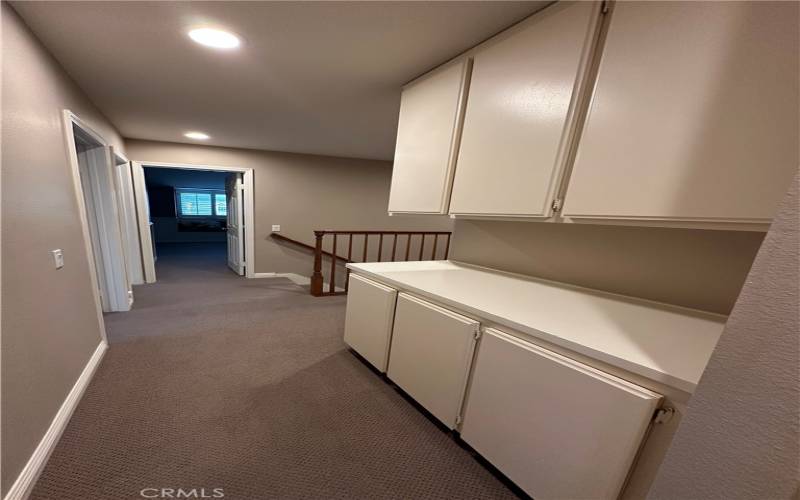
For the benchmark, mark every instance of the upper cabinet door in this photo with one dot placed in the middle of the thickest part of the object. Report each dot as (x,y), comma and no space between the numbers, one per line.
(694,114)
(520,114)
(431,110)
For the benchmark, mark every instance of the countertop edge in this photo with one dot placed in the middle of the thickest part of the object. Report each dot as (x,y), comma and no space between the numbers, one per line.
(658,376)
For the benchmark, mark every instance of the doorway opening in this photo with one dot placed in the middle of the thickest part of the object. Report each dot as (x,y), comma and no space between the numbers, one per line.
(93,167)
(199,215)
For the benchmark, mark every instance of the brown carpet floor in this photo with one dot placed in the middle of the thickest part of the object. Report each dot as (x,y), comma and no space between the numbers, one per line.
(216,381)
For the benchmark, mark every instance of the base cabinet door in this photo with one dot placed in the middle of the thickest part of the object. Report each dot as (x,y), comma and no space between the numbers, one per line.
(557,428)
(431,355)
(368,320)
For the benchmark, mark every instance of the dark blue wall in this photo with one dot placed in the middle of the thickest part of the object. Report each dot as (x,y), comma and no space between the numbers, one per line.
(161,185)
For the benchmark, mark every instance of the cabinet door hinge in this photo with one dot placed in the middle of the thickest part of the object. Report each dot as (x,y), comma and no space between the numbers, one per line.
(477,333)
(663,415)
(556,205)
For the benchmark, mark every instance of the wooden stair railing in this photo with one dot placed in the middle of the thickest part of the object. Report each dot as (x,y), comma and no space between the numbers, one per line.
(412,239)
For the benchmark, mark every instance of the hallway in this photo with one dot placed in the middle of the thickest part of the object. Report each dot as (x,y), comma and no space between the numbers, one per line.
(217,381)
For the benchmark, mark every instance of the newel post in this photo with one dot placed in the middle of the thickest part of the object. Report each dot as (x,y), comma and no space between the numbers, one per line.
(316,278)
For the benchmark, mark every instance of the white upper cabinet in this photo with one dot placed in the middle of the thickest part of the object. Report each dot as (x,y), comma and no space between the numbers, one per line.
(431,109)
(520,115)
(694,116)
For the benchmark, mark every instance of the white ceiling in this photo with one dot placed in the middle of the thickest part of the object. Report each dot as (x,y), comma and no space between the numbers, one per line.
(311,77)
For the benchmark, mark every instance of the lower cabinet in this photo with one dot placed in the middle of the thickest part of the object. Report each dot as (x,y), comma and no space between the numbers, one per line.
(368,320)
(557,428)
(431,355)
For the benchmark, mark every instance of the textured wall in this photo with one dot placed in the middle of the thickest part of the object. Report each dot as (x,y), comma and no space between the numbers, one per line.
(740,436)
(689,267)
(301,193)
(49,320)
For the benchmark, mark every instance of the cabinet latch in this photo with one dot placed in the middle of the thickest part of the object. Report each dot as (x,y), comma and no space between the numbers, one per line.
(663,415)
(556,204)
(458,420)
(477,333)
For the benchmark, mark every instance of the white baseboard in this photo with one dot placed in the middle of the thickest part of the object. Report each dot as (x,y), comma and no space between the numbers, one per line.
(297,279)
(23,486)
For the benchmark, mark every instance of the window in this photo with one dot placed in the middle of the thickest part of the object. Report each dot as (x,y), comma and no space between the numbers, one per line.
(221,204)
(201,203)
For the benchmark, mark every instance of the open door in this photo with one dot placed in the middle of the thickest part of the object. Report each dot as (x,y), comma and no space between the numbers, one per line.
(234,190)
(127,217)
(95,188)
(144,223)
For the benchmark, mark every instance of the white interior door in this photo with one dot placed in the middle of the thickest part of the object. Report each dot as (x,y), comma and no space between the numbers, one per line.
(99,196)
(127,217)
(87,188)
(236,227)
(143,218)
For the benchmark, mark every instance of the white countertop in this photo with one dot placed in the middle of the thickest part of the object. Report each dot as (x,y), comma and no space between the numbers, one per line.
(667,344)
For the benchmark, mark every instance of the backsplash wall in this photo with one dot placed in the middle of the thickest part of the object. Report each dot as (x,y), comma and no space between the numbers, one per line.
(701,269)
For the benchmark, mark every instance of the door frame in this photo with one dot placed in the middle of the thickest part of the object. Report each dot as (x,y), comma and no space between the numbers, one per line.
(70,119)
(248,179)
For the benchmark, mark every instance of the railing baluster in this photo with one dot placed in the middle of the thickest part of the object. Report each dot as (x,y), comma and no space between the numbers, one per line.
(332,286)
(316,278)
(349,259)
(350,247)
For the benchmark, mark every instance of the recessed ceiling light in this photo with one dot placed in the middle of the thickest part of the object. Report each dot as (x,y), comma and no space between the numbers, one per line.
(217,39)
(198,136)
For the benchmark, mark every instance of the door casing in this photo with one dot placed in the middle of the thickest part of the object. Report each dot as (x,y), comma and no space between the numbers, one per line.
(110,257)
(248,199)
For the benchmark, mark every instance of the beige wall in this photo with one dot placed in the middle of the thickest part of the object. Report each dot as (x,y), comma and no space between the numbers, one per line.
(49,321)
(741,435)
(689,267)
(301,193)
(695,268)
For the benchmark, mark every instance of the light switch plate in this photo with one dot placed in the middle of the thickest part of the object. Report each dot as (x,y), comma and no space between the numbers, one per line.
(58,258)
(276,228)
